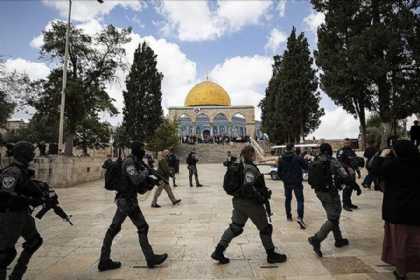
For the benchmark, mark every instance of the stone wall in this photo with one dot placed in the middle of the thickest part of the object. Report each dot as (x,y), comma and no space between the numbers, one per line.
(62,172)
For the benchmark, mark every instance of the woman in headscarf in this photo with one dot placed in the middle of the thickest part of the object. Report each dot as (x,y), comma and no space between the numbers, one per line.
(399,169)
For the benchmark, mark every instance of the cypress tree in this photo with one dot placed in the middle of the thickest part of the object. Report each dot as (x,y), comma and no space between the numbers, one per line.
(143,109)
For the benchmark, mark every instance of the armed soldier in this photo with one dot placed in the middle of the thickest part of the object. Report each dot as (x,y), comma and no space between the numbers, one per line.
(134,179)
(324,173)
(18,193)
(249,197)
(347,158)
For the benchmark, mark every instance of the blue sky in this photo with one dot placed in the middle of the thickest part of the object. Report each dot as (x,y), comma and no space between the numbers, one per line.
(230,41)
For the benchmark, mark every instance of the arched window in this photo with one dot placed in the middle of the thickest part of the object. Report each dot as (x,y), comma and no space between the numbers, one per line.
(184,124)
(220,124)
(238,125)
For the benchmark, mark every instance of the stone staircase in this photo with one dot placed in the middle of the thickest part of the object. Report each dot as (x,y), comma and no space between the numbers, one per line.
(209,153)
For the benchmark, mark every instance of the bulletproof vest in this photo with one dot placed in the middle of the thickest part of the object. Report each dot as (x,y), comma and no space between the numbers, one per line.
(15,181)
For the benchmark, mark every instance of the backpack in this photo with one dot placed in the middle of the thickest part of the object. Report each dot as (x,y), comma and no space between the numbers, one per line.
(113,175)
(233,178)
(319,175)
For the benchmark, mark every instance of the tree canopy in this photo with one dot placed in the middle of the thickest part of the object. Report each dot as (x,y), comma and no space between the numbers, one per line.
(290,109)
(143,109)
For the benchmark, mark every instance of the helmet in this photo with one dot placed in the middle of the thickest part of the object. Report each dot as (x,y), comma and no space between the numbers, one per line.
(24,152)
(137,149)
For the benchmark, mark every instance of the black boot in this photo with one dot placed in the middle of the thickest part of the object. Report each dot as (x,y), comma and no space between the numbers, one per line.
(218,255)
(341,243)
(352,206)
(316,245)
(156,260)
(108,265)
(273,257)
(347,208)
(176,202)
(17,273)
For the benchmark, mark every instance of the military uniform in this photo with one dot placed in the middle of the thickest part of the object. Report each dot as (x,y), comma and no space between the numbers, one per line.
(133,180)
(248,204)
(331,203)
(16,195)
(165,172)
(346,156)
(192,169)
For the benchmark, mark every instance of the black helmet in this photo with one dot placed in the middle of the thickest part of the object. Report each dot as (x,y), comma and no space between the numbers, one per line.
(137,149)
(24,152)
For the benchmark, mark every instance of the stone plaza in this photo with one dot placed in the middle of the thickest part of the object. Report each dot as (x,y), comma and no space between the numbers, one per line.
(190,231)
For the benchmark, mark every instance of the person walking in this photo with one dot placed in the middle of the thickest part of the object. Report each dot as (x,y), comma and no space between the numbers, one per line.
(369,153)
(399,169)
(290,169)
(248,203)
(18,194)
(163,169)
(173,164)
(192,168)
(134,179)
(415,134)
(324,173)
(347,157)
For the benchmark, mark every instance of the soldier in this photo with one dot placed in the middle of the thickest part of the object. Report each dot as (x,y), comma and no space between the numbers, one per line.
(229,159)
(163,170)
(326,190)
(17,193)
(192,168)
(248,203)
(347,157)
(133,179)
(173,164)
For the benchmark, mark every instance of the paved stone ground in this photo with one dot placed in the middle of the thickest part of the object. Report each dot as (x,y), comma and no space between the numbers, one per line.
(190,231)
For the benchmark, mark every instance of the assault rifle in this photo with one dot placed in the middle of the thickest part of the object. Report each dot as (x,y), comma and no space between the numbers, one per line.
(157,176)
(50,201)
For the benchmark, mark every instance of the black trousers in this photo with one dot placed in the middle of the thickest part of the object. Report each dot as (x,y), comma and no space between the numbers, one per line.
(14,225)
(347,192)
(127,208)
(193,172)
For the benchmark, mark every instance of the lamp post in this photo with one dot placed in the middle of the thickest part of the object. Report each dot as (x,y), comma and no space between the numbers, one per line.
(63,89)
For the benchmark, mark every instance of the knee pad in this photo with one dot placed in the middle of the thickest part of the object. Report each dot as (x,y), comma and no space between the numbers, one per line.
(33,244)
(6,257)
(143,229)
(268,230)
(236,229)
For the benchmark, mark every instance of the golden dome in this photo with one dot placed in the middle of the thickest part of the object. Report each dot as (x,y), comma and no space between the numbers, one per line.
(207,94)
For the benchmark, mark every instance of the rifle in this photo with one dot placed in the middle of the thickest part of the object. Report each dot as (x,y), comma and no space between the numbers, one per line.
(156,174)
(50,201)
(267,206)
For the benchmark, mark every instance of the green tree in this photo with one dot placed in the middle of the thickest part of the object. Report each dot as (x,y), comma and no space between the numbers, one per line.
(291,107)
(93,61)
(164,137)
(143,97)
(338,48)
(379,40)
(7,106)
(92,134)
(121,139)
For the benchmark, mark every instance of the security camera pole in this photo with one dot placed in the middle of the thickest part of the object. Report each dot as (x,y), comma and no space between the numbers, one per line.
(63,90)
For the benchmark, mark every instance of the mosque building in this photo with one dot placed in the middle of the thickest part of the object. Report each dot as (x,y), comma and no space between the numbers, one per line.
(208,112)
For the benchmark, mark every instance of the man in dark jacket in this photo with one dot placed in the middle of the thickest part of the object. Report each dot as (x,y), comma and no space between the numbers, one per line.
(369,153)
(290,170)
(134,179)
(346,156)
(192,168)
(17,193)
(415,134)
